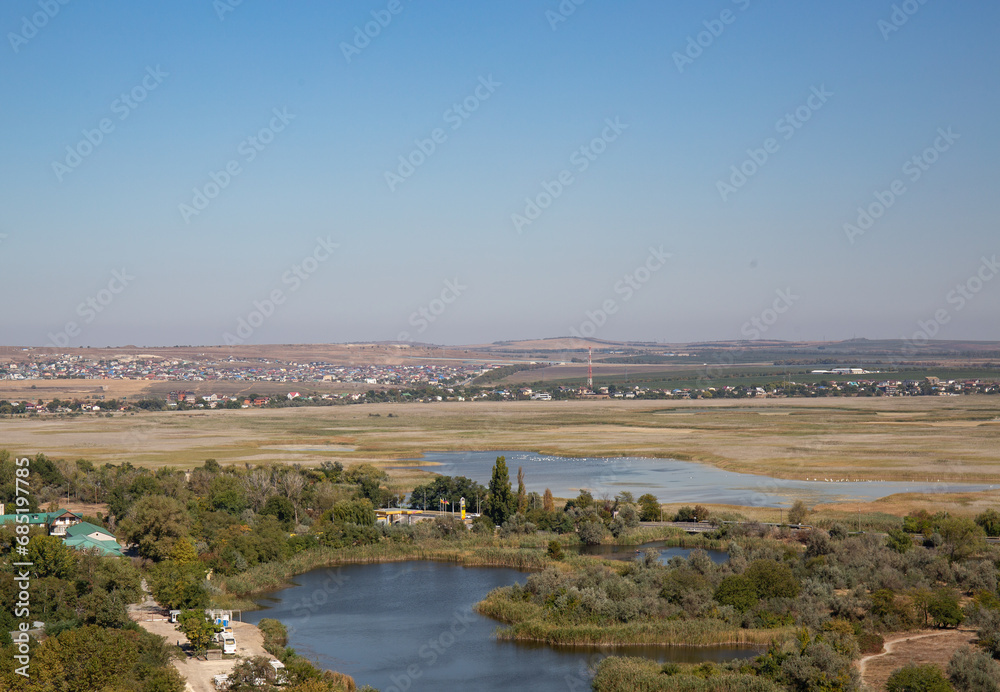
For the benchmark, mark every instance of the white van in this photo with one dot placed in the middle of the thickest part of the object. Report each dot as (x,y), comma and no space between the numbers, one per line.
(228,642)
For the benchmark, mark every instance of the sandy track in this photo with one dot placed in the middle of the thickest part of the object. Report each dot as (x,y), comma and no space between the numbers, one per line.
(935,646)
(198,674)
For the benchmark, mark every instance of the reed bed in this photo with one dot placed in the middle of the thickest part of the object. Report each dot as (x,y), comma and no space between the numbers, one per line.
(527,621)
(629,674)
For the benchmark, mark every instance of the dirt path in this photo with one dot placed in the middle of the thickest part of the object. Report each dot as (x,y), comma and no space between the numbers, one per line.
(198,674)
(936,646)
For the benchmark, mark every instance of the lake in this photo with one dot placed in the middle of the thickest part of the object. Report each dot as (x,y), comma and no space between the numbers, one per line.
(410,625)
(668,479)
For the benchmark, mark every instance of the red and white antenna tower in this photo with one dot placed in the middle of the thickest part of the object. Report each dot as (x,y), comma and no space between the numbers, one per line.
(590,368)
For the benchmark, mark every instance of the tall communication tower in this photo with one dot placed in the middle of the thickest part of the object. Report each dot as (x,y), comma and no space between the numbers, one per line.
(590,368)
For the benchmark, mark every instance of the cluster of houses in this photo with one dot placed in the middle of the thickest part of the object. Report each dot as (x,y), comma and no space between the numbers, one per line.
(67,366)
(75,532)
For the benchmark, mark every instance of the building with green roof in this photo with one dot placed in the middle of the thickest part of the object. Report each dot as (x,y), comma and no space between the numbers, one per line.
(75,532)
(87,536)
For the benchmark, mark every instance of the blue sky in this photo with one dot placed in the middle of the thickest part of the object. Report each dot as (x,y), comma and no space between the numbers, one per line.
(445,252)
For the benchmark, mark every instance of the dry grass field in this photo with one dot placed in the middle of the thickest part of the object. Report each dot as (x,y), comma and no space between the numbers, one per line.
(920,438)
(935,646)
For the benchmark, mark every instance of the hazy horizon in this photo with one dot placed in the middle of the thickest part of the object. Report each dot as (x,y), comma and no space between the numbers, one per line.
(211,173)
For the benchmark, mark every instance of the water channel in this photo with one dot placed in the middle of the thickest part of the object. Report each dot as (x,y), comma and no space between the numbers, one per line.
(670,480)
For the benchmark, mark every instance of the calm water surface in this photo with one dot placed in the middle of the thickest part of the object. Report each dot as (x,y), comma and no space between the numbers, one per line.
(411,624)
(670,480)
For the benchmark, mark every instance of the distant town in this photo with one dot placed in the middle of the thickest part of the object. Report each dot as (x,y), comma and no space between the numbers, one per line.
(454,381)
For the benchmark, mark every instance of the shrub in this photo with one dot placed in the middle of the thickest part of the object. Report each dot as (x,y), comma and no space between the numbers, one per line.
(973,671)
(989,632)
(555,550)
(870,642)
(275,636)
(914,678)
(737,591)
(944,609)
(798,512)
(838,531)
(771,579)
(990,521)
(899,540)
(591,532)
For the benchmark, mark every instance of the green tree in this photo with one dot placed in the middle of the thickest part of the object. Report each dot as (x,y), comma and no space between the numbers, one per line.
(183,552)
(962,537)
(649,508)
(199,630)
(500,504)
(226,494)
(944,609)
(522,492)
(359,512)
(154,524)
(771,579)
(178,587)
(280,508)
(899,540)
(737,591)
(798,512)
(591,532)
(555,550)
(52,557)
(914,678)
(449,488)
(990,521)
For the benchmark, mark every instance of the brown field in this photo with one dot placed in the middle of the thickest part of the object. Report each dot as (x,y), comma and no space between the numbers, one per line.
(20,390)
(954,438)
